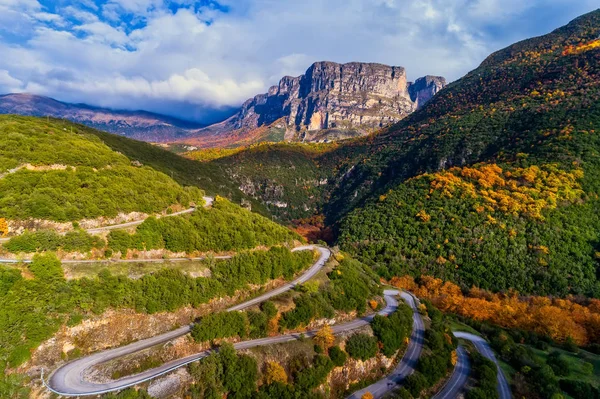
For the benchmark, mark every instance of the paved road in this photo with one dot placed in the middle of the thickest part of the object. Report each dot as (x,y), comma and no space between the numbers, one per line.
(109,261)
(407,365)
(208,201)
(484,348)
(458,379)
(68,380)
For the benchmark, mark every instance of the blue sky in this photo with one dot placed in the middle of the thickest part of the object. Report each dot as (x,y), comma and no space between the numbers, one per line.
(200,59)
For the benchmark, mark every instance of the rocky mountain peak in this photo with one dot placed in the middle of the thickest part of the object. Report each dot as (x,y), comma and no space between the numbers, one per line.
(330,101)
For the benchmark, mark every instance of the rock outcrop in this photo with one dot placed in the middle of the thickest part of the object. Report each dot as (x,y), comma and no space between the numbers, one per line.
(332,101)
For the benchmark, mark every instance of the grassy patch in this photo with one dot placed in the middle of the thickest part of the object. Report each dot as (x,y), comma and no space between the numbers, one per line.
(576,364)
(194,268)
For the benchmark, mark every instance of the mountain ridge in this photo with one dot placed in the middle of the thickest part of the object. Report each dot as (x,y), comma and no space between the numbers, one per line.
(140,125)
(329,101)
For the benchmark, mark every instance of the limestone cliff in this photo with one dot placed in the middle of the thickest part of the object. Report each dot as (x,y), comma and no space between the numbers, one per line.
(331,101)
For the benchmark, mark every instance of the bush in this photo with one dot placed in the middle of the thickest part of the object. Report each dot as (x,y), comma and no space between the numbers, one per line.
(269,309)
(558,363)
(46,267)
(28,242)
(392,330)
(119,241)
(361,346)
(337,356)
(221,325)
(415,383)
(580,389)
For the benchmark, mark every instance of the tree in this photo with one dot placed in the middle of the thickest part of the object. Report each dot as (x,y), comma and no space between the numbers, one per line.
(3,227)
(337,356)
(324,337)
(367,395)
(274,372)
(361,346)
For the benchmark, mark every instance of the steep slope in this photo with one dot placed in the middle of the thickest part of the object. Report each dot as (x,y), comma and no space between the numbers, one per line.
(495,182)
(330,101)
(57,172)
(138,125)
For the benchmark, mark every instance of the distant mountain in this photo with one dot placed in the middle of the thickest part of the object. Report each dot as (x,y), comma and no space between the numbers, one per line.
(330,101)
(138,125)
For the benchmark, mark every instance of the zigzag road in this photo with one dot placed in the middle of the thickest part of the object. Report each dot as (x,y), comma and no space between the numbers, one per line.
(407,365)
(69,379)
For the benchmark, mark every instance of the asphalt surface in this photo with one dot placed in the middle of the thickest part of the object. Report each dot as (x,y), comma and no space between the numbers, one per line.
(69,379)
(409,361)
(484,348)
(458,379)
(208,202)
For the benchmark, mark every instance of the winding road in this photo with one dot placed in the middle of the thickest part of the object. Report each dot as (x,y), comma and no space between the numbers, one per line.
(69,379)
(484,348)
(208,201)
(407,365)
(459,377)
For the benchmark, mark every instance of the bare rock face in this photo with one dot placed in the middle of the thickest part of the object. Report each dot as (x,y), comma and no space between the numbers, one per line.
(333,101)
(425,88)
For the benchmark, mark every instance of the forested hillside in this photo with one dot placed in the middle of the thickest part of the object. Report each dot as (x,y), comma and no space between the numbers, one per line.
(53,171)
(496,181)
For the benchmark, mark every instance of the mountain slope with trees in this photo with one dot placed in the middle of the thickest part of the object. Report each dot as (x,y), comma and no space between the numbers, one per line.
(495,182)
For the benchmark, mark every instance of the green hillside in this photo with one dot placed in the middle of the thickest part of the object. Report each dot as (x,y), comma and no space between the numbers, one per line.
(496,181)
(527,119)
(54,171)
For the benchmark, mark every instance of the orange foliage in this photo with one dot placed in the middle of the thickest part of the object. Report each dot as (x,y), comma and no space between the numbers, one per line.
(274,372)
(373,304)
(594,44)
(3,227)
(519,191)
(556,318)
(423,216)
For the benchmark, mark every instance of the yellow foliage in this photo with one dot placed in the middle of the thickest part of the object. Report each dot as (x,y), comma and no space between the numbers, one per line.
(423,216)
(594,44)
(274,372)
(382,197)
(3,227)
(520,191)
(324,337)
(367,395)
(339,257)
(373,304)
(454,358)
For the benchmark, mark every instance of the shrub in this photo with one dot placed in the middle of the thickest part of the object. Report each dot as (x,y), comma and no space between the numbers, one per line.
(337,356)
(361,346)
(415,383)
(221,325)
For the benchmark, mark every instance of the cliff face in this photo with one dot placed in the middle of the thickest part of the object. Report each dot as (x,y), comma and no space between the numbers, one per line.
(334,101)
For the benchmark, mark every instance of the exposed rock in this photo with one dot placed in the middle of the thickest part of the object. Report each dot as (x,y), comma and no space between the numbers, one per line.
(425,88)
(330,101)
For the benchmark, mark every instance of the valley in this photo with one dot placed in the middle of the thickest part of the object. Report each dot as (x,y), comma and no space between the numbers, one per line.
(348,234)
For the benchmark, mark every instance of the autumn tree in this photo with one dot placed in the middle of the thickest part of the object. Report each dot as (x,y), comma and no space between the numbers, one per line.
(367,395)
(3,227)
(324,337)
(274,372)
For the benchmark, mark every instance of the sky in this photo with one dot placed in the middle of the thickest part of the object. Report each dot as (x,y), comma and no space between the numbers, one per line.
(199,60)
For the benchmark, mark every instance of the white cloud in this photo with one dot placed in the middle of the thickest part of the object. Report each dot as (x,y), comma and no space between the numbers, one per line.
(8,83)
(215,59)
